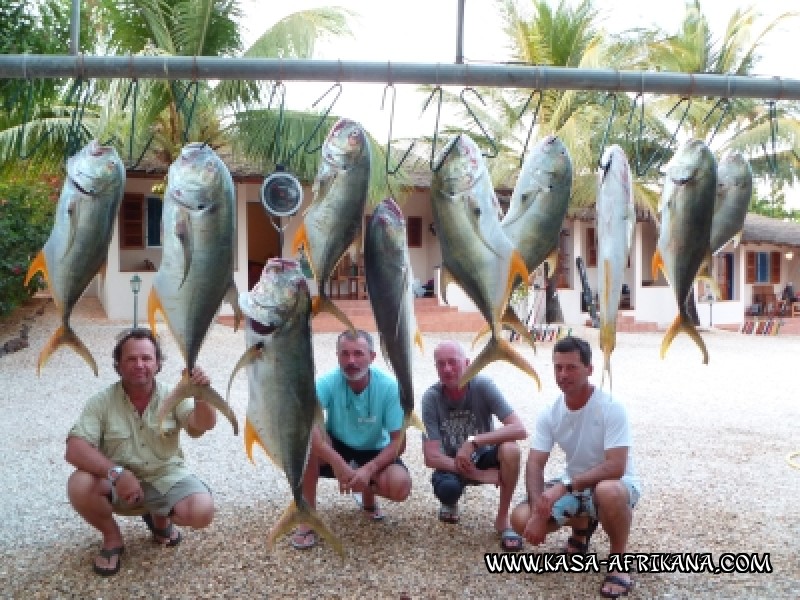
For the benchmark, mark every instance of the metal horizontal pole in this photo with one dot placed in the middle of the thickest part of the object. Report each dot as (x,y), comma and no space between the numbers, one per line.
(22,66)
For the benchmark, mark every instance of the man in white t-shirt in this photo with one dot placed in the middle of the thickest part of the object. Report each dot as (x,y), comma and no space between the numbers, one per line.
(600,485)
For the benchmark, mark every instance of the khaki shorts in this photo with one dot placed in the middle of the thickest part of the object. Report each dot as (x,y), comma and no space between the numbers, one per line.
(157,503)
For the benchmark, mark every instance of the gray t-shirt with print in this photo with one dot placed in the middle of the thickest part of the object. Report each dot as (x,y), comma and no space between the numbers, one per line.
(453,422)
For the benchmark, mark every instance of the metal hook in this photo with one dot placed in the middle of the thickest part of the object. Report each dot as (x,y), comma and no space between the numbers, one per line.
(438,88)
(477,121)
(132,86)
(608,124)
(772,161)
(389,141)
(336,86)
(719,121)
(73,131)
(535,116)
(179,105)
(277,138)
(661,152)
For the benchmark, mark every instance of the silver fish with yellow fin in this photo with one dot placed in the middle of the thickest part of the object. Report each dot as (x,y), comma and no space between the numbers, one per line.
(684,238)
(389,284)
(476,253)
(78,244)
(734,192)
(283,405)
(616,220)
(332,222)
(196,271)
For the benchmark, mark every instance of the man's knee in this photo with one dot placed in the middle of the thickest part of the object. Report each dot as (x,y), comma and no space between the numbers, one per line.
(81,486)
(520,516)
(611,495)
(508,452)
(447,487)
(196,511)
(399,484)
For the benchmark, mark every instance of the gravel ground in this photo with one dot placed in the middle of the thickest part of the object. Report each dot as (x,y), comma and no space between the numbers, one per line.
(711,444)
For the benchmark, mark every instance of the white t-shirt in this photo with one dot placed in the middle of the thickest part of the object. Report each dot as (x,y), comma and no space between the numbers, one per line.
(584,435)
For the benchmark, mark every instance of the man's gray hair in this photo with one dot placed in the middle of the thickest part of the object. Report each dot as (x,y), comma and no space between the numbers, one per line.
(352,337)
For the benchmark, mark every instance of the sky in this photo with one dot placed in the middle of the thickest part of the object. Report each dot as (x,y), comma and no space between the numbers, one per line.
(425,31)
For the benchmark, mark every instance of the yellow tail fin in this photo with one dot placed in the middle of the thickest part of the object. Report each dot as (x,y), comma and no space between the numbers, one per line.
(498,349)
(305,515)
(65,336)
(682,323)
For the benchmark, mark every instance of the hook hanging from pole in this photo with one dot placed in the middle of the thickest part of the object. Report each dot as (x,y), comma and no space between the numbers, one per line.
(533,122)
(477,120)
(436,126)
(389,141)
(608,124)
(771,158)
(336,86)
(722,115)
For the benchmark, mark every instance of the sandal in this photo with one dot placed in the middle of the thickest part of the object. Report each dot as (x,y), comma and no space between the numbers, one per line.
(165,534)
(510,541)
(616,580)
(373,512)
(449,513)
(578,546)
(303,540)
(109,554)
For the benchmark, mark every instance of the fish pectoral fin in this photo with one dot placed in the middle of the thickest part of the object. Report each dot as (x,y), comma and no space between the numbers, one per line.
(38,265)
(183,231)
(551,261)
(250,355)
(64,336)
(300,240)
(498,349)
(683,323)
(251,437)
(232,298)
(153,306)
(657,264)
(418,340)
(323,303)
(445,278)
(415,420)
(511,320)
(74,216)
(303,515)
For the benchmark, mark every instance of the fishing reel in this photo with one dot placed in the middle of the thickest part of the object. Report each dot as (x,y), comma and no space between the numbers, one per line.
(281,193)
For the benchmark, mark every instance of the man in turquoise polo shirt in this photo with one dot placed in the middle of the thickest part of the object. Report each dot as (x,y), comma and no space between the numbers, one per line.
(361,442)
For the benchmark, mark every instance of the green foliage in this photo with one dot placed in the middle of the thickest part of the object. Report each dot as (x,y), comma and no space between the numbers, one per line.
(27,210)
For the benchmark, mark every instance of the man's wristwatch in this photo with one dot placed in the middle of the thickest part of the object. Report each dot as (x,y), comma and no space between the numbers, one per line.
(114,473)
(471,440)
(567,483)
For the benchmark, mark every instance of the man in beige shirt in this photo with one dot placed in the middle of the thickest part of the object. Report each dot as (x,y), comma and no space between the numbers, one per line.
(123,461)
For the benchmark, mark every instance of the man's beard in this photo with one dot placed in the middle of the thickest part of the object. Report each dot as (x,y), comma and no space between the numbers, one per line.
(356,376)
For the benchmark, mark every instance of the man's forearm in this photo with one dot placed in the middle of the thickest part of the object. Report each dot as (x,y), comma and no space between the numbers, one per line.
(604,471)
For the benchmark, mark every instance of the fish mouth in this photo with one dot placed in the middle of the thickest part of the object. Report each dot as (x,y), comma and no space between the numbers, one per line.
(81,189)
(261,328)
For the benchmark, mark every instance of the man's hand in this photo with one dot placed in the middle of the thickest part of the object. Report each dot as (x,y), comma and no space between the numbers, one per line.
(463,458)
(361,478)
(535,529)
(344,474)
(198,377)
(543,507)
(128,488)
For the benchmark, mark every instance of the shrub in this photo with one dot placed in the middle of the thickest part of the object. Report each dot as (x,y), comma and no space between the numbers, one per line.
(27,210)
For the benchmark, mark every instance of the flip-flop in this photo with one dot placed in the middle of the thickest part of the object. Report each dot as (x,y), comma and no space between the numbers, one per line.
(449,514)
(309,539)
(374,512)
(165,534)
(616,580)
(510,541)
(107,554)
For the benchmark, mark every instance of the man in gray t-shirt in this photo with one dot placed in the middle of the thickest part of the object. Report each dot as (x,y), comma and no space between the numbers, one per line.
(462,445)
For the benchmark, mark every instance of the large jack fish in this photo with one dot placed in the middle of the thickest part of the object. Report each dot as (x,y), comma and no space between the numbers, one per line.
(684,237)
(539,202)
(616,219)
(476,254)
(388,270)
(78,244)
(196,270)
(283,405)
(333,220)
(734,192)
